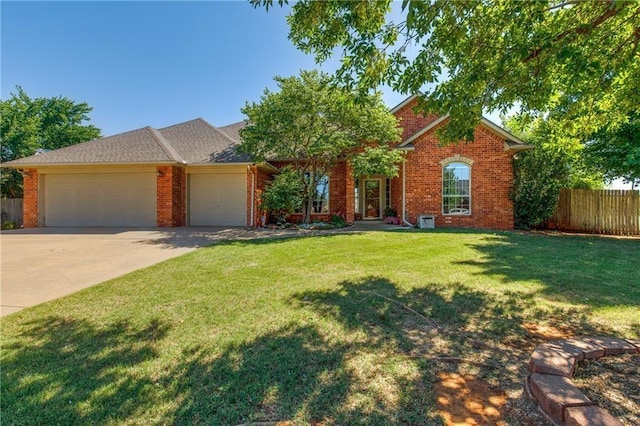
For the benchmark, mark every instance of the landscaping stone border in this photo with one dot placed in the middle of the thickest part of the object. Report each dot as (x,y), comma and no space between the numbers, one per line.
(551,367)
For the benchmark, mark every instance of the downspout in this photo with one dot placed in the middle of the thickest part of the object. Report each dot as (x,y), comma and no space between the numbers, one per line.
(404,196)
(253,195)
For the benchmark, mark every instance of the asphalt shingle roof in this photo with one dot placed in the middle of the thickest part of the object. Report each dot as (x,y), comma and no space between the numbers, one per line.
(198,142)
(191,142)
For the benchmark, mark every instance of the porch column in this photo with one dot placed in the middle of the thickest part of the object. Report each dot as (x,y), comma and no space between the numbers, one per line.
(30,186)
(350,197)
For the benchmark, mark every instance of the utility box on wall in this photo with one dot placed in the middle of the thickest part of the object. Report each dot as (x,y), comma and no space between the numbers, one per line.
(426,221)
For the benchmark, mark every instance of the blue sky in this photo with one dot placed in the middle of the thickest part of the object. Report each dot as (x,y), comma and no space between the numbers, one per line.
(149,63)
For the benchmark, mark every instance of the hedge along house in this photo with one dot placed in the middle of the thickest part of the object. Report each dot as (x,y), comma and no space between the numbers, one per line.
(191,174)
(186,174)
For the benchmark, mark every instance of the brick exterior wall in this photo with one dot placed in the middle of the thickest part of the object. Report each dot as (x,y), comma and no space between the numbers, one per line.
(258,176)
(491,179)
(341,194)
(341,191)
(171,189)
(30,198)
(412,122)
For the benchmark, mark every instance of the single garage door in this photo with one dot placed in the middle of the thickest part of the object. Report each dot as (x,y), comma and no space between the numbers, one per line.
(217,199)
(100,199)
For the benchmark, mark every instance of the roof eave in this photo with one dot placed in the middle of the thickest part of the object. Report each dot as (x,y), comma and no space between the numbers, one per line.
(404,103)
(110,163)
(518,147)
(502,132)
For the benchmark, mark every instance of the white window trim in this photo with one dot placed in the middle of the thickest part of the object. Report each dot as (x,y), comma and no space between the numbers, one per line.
(446,162)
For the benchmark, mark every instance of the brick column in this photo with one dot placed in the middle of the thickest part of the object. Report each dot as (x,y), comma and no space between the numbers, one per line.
(171,196)
(30,199)
(350,197)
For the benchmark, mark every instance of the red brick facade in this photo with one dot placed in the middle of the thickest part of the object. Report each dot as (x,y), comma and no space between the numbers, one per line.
(30,201)
(491,178)
(257,178)
(171,189)
(410,121)
(418,187)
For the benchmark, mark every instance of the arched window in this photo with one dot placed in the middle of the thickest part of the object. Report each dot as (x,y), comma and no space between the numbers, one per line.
(456,189)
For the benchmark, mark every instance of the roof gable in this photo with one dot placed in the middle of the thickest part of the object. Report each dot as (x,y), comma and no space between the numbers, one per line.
(512,143)
(198,142)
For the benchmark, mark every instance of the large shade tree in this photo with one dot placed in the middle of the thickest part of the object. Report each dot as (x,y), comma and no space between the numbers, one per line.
(314,124)
(31,124)
(616,152)
(581,58)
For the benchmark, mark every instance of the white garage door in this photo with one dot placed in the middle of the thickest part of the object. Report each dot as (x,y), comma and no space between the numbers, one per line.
(217,199)
(100,199)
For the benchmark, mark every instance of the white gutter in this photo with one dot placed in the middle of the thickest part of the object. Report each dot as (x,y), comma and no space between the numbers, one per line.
(404,196)
(253,192)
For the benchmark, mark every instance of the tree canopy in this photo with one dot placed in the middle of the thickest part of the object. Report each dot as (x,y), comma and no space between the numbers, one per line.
(580,58)
(28,125)
(314,124)
(616,152)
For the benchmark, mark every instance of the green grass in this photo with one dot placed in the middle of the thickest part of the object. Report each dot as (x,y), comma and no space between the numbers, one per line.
(342,329)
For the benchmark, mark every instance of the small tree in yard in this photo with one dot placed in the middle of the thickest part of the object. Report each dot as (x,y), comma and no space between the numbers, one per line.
(283,195)
(314,124)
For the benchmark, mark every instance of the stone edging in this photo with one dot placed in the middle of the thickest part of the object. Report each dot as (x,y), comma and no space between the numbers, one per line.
(551,367)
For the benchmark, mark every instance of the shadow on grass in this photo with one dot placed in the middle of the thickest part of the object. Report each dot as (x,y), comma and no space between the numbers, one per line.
(64,371)
(267,379)
(195,237)
(594,271)
(364,354)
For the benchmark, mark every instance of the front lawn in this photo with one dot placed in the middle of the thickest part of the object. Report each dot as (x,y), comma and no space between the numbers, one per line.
(362,328)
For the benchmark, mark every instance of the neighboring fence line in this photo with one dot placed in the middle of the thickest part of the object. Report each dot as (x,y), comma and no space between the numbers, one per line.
(12,210)
(598,211)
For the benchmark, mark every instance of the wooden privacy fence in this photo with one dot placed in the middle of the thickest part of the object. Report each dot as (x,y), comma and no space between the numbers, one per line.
(12,210)
(598,211)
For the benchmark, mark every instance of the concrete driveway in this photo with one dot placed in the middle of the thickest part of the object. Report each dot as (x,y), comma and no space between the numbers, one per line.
(43,264)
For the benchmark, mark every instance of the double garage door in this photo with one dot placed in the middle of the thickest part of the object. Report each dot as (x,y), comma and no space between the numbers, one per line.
(129,199)
(100,199)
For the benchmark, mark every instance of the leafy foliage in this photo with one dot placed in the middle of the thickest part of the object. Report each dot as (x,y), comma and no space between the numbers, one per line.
(378,160)
(555,163)
(28,125)
(338,220)
(577,57)
(616,152)
(283,195)
(314,124)
(539,176)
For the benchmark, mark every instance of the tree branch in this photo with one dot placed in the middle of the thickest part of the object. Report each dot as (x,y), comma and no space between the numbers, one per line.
(611,12)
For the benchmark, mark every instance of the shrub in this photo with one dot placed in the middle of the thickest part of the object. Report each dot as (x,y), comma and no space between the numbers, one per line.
(9,224)
(283,195)
(389,212)
(338,220)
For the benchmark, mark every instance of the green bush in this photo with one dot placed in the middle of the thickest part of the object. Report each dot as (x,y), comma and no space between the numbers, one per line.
(389,212)
(283,195)
(338,220)
(539,176)
(9,224)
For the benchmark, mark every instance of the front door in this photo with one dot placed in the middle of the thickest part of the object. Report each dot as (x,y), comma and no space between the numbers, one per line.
(372,197)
